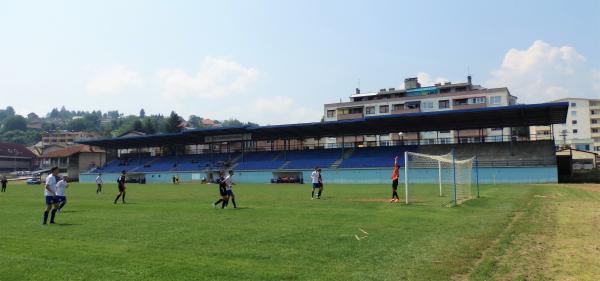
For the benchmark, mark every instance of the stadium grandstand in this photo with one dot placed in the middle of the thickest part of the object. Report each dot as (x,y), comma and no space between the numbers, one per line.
(259,154)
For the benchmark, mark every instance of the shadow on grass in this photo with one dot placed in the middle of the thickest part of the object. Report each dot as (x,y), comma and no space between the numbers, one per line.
(66,224)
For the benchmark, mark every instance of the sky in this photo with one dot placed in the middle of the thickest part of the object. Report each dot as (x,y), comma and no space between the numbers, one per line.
(277,62)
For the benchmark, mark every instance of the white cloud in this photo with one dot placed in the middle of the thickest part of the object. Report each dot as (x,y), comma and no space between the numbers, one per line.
(282,109)
(543,73)
(426,80)
(222,88)
(113,80)
(215,78)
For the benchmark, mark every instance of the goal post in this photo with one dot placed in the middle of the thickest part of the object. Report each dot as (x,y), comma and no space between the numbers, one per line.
(456,178)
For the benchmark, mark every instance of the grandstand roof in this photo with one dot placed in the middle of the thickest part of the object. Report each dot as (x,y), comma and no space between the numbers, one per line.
(489,117)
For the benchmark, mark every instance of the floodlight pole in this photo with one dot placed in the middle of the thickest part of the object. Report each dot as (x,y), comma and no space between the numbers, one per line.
(440,176)
(454,176)
(406,177)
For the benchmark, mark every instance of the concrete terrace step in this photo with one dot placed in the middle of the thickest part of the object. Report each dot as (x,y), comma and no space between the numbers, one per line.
(346,155)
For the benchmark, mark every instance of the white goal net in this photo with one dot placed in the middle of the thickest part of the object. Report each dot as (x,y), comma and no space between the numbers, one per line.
(428,176)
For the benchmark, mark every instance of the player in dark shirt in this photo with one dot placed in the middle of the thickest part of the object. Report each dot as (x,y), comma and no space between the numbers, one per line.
(4,182)
(222,191)
(121,183)
(320,184)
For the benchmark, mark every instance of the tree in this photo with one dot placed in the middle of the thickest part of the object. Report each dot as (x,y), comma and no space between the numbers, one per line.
(149,126)
(142,113)
(78,124)
(195,121)
(23,137)
(6,113)
(16,122)
(172,123)
(54,113)
(137,126)
(10,111)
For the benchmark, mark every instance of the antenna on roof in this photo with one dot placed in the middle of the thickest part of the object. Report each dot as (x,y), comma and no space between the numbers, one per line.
(469,75)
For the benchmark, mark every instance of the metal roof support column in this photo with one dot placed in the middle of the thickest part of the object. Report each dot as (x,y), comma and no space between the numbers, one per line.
(284,150)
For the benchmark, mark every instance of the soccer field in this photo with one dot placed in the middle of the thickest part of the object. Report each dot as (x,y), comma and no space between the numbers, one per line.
(167,232)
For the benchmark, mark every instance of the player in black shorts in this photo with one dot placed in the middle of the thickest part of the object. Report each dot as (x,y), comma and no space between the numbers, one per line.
(222,191)
(320,184)
(4,181)
(121,183)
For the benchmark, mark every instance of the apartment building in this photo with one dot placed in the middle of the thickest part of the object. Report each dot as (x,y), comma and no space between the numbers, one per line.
(582,130)
(64,138)
(415,98)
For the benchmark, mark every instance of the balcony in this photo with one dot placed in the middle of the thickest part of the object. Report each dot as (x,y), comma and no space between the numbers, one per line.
(469,106)
(405,110)
(349,116)
(470,133)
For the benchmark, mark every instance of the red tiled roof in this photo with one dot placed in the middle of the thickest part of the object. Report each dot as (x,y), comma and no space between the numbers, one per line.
(8,150)
(70,150)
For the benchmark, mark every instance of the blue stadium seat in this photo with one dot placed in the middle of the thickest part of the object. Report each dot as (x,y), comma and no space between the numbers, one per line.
(371,157)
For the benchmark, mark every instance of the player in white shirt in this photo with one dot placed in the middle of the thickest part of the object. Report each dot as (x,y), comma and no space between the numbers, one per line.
(99,183)
(314,176)
(229,190)
(50,194)
(61,198)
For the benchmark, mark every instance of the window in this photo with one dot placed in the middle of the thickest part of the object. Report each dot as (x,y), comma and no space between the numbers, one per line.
(477,100)
(445,140)
(370,110)
(573,104)
(496,129)
(496,100)
(574,131)
(573,113)
(594,121)
(582,146)
(398,106)
(594,130)
(597,148)
(574,122)
(443,104)
(384,108)
(330,113)
(593,112)
(428,105)
(343,111)
(444,132)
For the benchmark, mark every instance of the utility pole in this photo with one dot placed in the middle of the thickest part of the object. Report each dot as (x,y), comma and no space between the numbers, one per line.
(563,134)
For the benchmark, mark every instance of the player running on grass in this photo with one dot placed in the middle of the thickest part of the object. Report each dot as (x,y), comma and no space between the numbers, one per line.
(222,191)
(99,183)
(314,176)
(320,184)
(61,198)
(229,190)
(121,183)
(49,194)
(395,176)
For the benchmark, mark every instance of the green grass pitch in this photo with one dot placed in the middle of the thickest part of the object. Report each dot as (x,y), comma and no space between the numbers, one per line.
(168,232)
